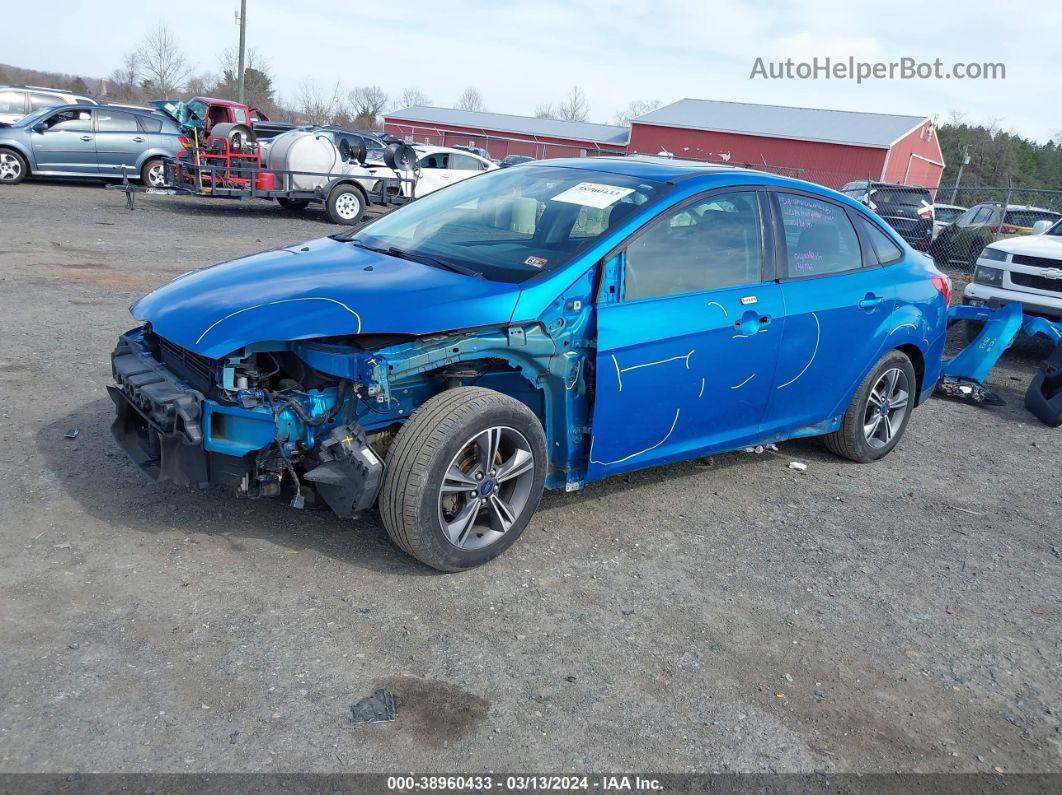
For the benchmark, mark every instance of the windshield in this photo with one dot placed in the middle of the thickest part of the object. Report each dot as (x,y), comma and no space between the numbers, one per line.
(32,118)
(511,225)
(1056,229)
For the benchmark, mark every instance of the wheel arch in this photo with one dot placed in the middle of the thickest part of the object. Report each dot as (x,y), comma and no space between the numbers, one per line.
(339,182)
(918,361)
(25,152)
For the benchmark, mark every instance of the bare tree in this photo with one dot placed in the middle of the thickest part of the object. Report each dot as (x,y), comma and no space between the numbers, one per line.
(200,84)
(367,103)
(470,99)
(315,105)
(574,107)
(545,111)
(411,97)
(124,78)
(636,108)
(162,64)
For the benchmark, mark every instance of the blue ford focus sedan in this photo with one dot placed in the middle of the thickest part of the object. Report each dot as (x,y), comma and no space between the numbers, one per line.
(530,328)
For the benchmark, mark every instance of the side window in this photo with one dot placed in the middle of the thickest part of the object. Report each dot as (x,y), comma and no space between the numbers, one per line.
(982,217)
(436,160)
(967,217)
(150,124)
(70,121)
(707,245)
(885,250)
(38,101)
(240,114)
(465,163)
(110,121)
(12,102)
(819,237)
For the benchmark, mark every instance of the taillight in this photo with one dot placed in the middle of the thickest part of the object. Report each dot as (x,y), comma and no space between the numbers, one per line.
(943,285)
(185,142)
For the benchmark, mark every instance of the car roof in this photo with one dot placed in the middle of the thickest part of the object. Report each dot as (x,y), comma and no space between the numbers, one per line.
(652,167)
(1019,207)
(949,206)
(426,149)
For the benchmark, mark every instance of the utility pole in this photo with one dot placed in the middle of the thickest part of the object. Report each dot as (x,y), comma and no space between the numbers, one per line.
(962,164)
(243,44)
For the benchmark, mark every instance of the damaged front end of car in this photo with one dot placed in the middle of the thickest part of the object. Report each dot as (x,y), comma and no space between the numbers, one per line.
(260,422)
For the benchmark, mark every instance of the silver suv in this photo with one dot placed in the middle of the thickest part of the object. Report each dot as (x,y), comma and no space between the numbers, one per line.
(17,101)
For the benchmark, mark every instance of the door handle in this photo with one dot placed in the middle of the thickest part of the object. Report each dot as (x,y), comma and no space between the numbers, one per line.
(870,301)
(750,323)
(86,137)
(139,139)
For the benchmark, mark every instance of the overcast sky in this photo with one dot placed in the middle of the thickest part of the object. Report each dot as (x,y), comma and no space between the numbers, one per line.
(520,54)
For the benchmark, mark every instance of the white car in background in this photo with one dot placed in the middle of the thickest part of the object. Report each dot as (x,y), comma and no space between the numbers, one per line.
(1027,269)
(944,214)
(19,101)
(439,166)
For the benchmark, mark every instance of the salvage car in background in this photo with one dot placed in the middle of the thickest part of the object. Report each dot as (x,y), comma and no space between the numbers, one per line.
(964,239)
(439,166)
(907,209)
(546,325)
(19,101)
(1026,270)
(944,214)
(95,141)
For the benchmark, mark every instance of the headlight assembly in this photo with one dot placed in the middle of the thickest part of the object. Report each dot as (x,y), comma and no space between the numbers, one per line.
(992,277)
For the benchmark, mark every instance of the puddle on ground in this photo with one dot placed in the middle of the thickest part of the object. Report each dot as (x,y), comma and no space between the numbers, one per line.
(435,712)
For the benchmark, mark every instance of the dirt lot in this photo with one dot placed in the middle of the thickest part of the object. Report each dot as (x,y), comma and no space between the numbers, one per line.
(732,615)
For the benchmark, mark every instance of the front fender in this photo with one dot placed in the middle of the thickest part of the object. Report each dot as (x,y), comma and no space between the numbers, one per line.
(21,148)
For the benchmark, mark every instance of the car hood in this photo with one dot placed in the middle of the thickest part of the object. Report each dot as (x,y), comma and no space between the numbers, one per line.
(323,288)
(1031,245)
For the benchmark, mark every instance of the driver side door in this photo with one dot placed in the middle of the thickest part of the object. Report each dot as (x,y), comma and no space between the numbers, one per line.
(67,143)
(686,352)
(435,173)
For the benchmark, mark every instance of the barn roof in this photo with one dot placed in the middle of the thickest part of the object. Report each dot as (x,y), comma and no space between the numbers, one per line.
(525,125)
(851,128)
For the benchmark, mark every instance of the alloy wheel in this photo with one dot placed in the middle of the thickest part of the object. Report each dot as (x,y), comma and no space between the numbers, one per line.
(887,406)
(486,487)
(156,176)
(10,167)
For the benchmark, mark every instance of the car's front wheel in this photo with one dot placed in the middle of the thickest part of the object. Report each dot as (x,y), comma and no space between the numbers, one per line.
(464,476)
(879,412)
(13,167)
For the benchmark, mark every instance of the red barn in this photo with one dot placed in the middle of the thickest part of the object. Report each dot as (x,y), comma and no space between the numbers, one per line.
(502,134)
(829,147)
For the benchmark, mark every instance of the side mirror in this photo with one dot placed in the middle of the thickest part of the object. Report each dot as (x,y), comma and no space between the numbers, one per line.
(40,127)
(1042,226)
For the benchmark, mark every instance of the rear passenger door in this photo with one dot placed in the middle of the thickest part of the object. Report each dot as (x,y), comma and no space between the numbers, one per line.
(119,141)
(836,302)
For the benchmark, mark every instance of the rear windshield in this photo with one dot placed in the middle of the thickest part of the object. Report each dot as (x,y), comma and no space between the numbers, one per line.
(512,224)
(899,197)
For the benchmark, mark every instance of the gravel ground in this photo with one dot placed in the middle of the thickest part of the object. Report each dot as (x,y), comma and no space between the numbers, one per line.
(722,615)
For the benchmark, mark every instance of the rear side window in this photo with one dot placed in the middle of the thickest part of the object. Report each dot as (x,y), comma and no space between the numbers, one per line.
(12,102)
(982,216)
(150,124)
(38,101)
(898,197)
(115,121)
(465,163)
(885,250)
(819,238)
(709,245)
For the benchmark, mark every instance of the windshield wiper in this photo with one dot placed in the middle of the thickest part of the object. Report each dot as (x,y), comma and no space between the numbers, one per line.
(425,259)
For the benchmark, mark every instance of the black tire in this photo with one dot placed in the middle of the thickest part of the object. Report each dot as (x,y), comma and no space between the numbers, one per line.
(422,454)
(346,204)
(293,204)
(147,178)
(13,167)
(849,441)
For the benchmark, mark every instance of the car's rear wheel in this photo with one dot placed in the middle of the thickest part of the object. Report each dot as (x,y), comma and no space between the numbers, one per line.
(464,476)
(13,167)
(345,205)
(153,173)
(879,412)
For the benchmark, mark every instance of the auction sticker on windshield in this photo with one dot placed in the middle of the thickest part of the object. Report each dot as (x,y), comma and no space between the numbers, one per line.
(593,194)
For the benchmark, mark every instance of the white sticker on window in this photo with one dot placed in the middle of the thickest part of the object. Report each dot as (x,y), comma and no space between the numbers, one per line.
(593,194)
